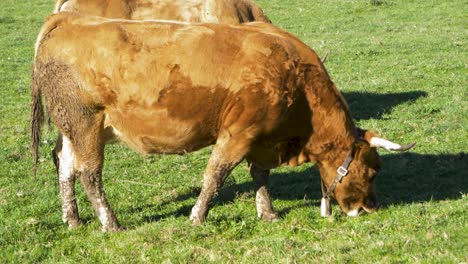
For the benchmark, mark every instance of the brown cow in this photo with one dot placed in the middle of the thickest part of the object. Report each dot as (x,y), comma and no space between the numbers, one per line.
(253,90)
(217,11)
(213,11)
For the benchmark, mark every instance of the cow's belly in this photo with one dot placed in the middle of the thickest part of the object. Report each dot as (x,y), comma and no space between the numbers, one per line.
(152,133)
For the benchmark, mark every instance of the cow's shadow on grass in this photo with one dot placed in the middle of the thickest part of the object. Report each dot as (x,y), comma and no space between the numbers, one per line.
(409,177)
(404,179)
(366,105)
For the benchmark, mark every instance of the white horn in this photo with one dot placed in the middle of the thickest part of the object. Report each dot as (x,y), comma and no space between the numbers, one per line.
(388,145)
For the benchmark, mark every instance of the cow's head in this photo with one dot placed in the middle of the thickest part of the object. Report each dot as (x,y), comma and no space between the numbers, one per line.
(355,191)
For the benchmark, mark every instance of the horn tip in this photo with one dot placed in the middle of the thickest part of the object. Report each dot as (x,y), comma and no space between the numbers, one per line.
(407,147)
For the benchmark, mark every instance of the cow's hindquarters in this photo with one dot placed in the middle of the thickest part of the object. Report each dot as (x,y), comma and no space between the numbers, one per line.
(81,124)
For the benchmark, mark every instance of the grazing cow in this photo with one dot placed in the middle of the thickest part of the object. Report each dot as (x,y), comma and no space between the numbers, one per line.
(213,11)
(253,91)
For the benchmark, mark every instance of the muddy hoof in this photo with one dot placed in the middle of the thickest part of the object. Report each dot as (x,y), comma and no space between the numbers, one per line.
(73,224)
(113,228)
(270,217)
(196,221)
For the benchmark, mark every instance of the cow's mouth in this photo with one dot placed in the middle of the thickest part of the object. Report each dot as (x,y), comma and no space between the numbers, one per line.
(359,211)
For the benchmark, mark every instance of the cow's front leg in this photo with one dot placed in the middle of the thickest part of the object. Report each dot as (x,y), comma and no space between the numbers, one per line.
(64,160)
(262,198)
(213,178)
(224,157)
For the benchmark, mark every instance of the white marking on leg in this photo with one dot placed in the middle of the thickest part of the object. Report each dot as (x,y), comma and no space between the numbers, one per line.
(66,166)
(103,216)
(195,211)
(67,159)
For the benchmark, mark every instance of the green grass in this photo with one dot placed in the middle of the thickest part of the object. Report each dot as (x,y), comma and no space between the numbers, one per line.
(401,65)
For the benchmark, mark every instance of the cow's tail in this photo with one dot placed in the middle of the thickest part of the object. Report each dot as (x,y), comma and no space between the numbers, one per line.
(37,118)
(36,106)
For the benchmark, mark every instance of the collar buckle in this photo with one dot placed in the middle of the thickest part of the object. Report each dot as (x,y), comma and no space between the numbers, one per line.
(342,171)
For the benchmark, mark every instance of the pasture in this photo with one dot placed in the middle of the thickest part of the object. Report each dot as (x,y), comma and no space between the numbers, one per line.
(401,65)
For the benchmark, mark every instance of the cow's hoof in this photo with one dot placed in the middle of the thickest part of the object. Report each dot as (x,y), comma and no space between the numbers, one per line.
(115,227)
(270,217)
(196,217)
(112,229)
(73,224)
(196,221)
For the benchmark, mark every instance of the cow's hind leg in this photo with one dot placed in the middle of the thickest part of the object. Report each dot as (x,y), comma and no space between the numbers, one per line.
(64,160)
(82,156)
(89,148)
(92,182)
(225,156)
(262,198)
(81,124)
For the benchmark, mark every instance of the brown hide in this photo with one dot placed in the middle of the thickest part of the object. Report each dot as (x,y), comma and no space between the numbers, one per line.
(253,90)
(215,11)
(171,81)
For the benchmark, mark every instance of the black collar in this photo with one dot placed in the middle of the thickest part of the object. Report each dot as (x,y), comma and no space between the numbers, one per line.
(342,171)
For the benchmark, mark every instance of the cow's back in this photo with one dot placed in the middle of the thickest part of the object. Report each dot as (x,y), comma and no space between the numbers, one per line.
(215,11)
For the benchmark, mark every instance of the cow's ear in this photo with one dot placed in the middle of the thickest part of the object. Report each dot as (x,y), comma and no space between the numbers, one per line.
(366,135)
(359,148)
(363,153)
(378,142)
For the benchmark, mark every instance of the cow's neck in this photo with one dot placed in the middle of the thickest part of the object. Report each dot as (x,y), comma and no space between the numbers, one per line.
(332,124)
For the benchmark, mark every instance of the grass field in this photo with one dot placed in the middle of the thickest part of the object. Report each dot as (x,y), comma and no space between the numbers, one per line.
(401,64)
